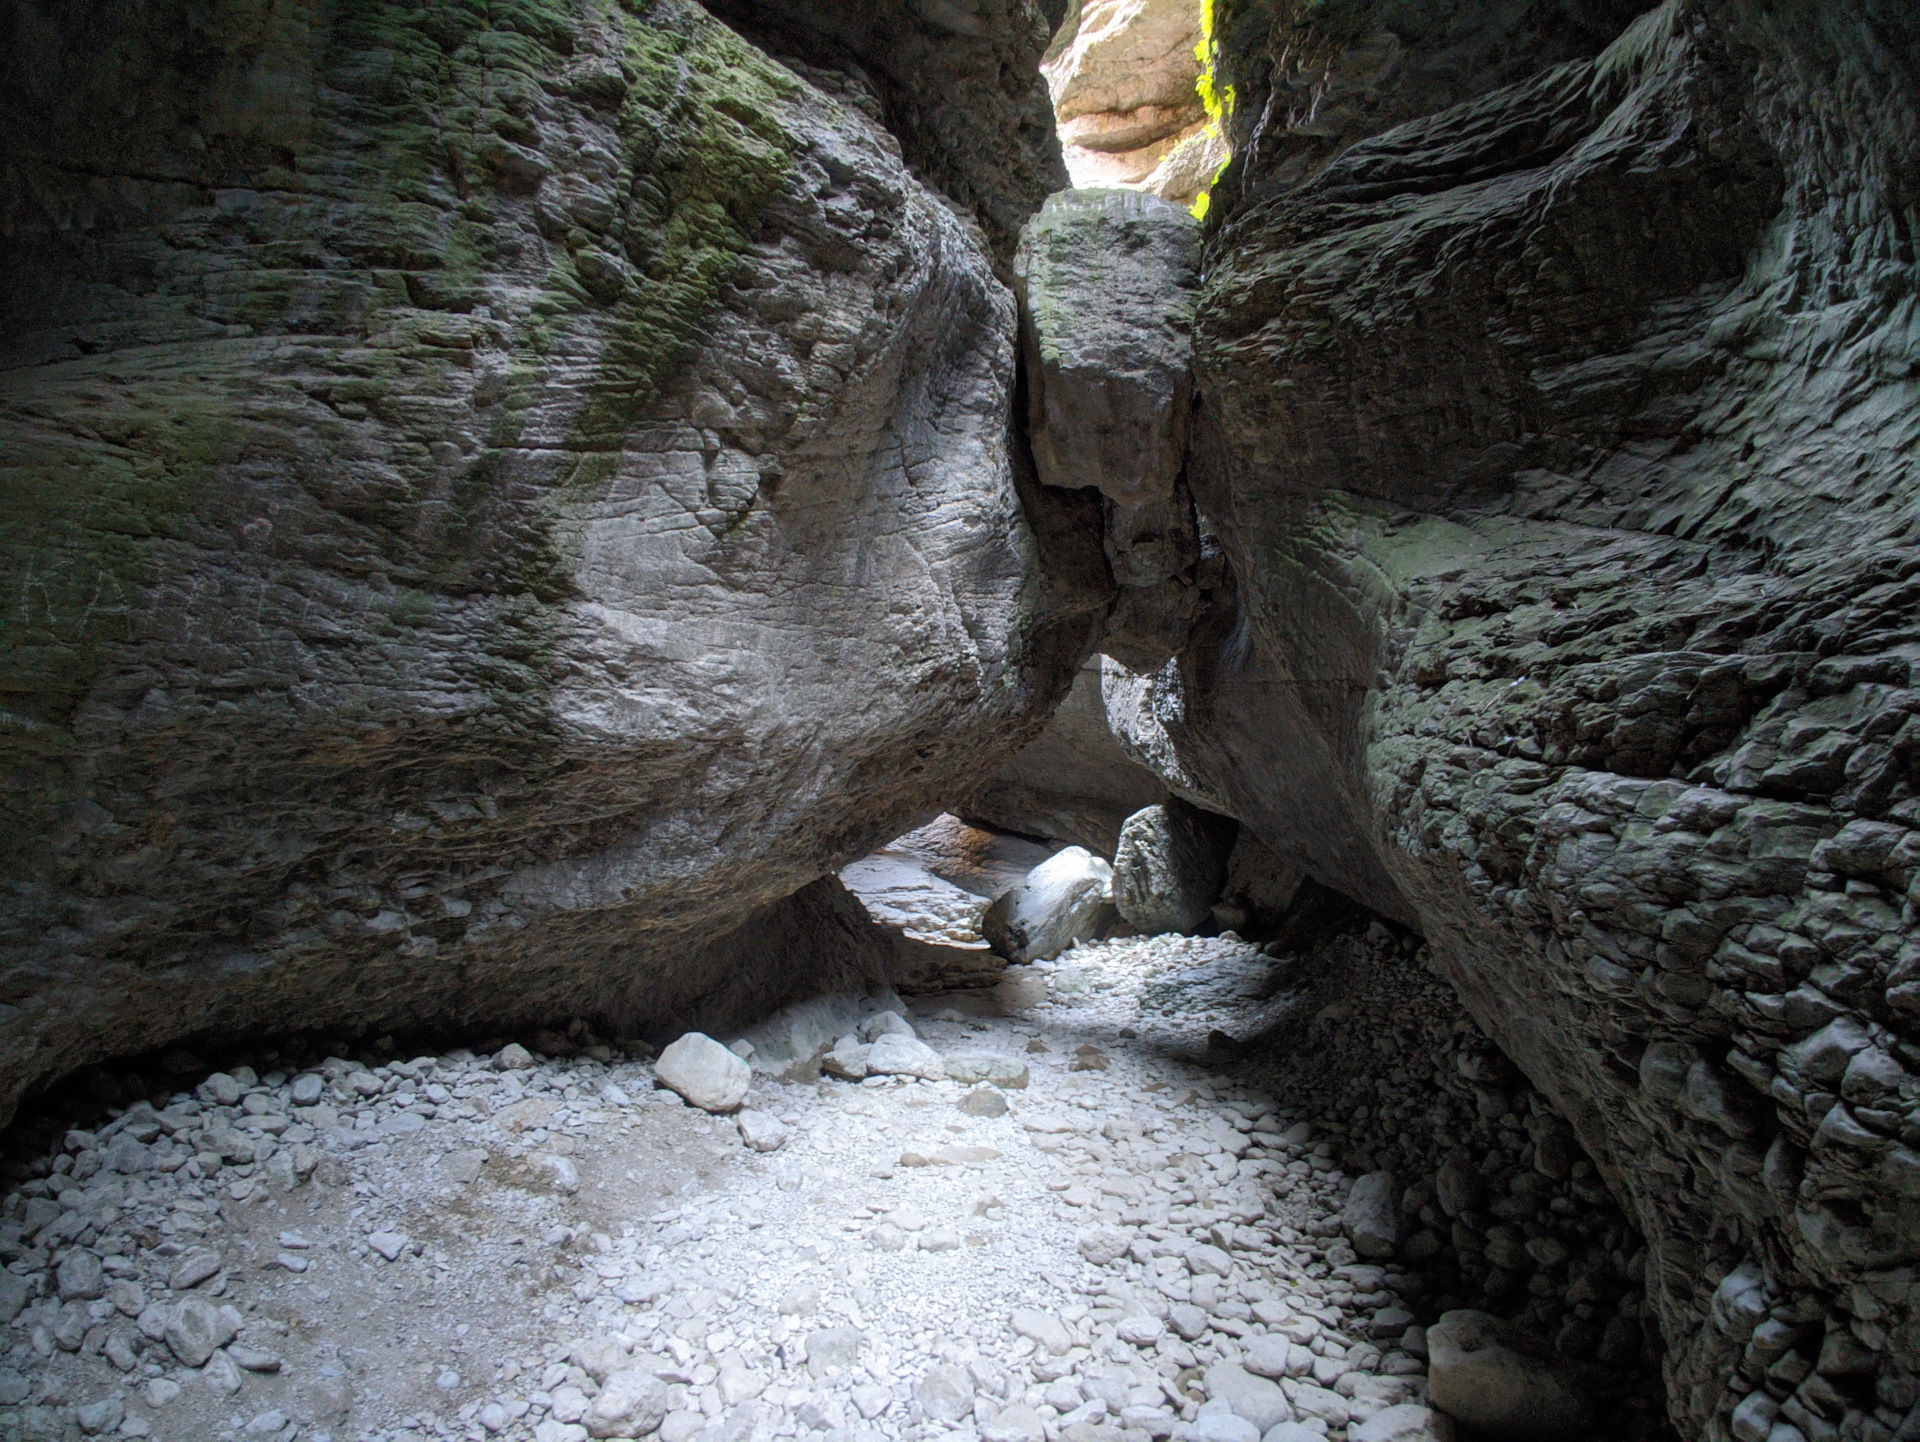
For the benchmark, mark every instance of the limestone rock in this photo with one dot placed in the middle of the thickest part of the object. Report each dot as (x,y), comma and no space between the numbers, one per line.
(1405,1422)
(1539,673)
(961,82)
(1107,280)
(1006,1072)
(704,1072)
(196,1329)
(1066,898)
(935,924)
(790,1043)
(1073,782)
(1043,1329)
(1476,1378)
(630,1403)
(1122,75)
(762,1132)
(1371,1217)
(628,505)
(1257,1399)
(1171,866)
(895,1054)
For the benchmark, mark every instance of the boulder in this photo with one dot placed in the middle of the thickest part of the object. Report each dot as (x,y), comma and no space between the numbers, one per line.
(1107,282)
(1171,866)
(705,1073)
(1257,1399)
(1404,1422)
(1476,1378)
(1006,1072)
(630,1403)
(1065,899)
(899,1054)
(1371,1216)
(680,429)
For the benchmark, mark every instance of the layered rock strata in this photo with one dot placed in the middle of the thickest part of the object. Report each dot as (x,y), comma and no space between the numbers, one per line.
(1122,75)
(1561,444)
(456,466)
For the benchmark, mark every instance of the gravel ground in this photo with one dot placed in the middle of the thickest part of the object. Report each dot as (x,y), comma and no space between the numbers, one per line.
(461,1246)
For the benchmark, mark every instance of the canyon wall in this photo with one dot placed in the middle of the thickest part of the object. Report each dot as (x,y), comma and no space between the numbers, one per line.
(497,498)
(1556,413)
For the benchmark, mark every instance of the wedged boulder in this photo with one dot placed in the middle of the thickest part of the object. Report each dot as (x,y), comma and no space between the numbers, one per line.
(1067,898)
(1171,866)
(1107,281)
(456,628)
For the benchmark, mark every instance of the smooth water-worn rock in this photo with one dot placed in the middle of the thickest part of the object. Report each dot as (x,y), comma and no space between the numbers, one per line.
(1170,866)
(1479,1380)
(452,486)
(1073,782)
(1556,422)
(1066,898)
(705,1073)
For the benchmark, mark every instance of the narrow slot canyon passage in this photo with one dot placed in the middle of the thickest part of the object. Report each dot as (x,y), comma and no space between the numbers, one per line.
(960,721)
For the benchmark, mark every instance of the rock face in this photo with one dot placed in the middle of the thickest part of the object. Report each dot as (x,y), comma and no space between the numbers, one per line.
(1122,77)
(453,467)
(958,84)
(1170,867)
(1557,421)
(1073,782)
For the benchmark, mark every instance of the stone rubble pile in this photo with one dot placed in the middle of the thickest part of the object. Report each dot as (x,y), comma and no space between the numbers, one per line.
(1074,1222)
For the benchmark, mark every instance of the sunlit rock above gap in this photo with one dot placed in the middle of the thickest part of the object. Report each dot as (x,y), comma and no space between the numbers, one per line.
(1123,75)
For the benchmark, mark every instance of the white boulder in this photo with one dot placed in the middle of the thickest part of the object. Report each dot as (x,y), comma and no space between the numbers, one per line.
(704,1072)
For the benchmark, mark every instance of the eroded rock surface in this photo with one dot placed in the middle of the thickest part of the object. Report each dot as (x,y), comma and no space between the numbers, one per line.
(456,465)
(1122,76)
(1072,782)
(1107,281)
(1561,444)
